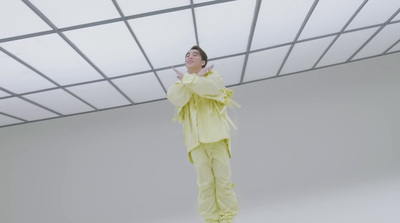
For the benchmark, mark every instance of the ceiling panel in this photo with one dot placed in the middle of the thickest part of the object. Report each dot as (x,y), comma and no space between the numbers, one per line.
(17,78)
(5,120)
(59,101)
(165,44)
(100,94)
(304,55)
(52,56)
(265,63)
(141,88)
(24,110)
(345,46)
(230,69)
(17,19)
(75,12)
(397,18)
(382,41)
(323,21)
(395,48)
(220,33)
(279,22)
(135,7)
(168,76)
(111,47)
(3,94)
(374,12)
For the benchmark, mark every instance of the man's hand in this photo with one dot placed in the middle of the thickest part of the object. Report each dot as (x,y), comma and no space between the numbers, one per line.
(180,74)
(205,70)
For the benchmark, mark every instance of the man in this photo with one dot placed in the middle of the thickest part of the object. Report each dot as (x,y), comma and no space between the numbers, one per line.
(201,100)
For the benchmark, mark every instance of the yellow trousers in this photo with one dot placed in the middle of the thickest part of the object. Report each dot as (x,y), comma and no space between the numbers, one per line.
(216,200)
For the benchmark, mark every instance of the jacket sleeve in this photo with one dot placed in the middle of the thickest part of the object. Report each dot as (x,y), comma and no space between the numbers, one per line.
(178,94)
(207,85)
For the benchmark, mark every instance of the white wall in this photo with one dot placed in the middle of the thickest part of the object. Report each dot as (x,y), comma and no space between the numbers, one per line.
(321,146)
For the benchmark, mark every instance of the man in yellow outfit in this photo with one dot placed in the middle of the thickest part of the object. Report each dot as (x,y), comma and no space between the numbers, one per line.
(201,100)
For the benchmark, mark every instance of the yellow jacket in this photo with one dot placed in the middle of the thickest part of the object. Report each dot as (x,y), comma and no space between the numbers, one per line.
(201,104)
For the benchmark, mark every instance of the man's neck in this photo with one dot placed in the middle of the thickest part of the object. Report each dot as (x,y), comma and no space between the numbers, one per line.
(194,71)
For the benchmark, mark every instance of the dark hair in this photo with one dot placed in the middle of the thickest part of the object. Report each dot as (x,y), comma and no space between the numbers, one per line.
(202,54)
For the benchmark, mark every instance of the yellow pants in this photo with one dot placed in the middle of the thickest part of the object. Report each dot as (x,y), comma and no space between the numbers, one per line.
(216,200)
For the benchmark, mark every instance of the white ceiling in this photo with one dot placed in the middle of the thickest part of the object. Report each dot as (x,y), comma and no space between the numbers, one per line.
(62,58)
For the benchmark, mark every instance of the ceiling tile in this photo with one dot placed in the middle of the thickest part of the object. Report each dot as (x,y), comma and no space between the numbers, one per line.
(304,55)
(166,44)
(24,110)
(224,29)
(395,48)
(130,7)
(5,120)
(265,63)
(141,88)
(74,12)
(100,94)
(168,76)
(3,94)
(111,47)
(229,68)
(18,19)
(18,78)
(397,18)
(59,101)
(325,19)
(52,56)
(345,46)
(279,22)
(381,42)
(374,12)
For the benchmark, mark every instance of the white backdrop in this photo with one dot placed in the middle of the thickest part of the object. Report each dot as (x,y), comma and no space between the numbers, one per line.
(321,146)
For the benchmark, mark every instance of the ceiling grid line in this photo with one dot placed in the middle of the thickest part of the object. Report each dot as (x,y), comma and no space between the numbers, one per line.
(109,21)
(29,66)
(30,101)
(320,37)
(82,113)
(138,43)
(341,32)
(54,27)
(316,68)
(250,40)
(42,75)
(374,35)
(194,23)
(393,45)
(297,36)
(14,117)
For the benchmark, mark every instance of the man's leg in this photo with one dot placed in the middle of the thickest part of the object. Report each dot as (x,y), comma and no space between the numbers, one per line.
(207,204)
(226,197)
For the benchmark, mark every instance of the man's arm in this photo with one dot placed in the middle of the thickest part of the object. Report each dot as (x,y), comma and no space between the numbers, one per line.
(209,85)
(178,94)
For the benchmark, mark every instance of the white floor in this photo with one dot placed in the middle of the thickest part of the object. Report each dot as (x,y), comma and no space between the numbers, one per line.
(374,201)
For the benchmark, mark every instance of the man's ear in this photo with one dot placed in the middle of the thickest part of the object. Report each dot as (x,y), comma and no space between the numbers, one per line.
(203,62)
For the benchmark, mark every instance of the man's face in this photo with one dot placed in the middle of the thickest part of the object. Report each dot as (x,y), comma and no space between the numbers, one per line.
(193,60)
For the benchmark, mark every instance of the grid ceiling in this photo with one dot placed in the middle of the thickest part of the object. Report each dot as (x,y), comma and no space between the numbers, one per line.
(62,58)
